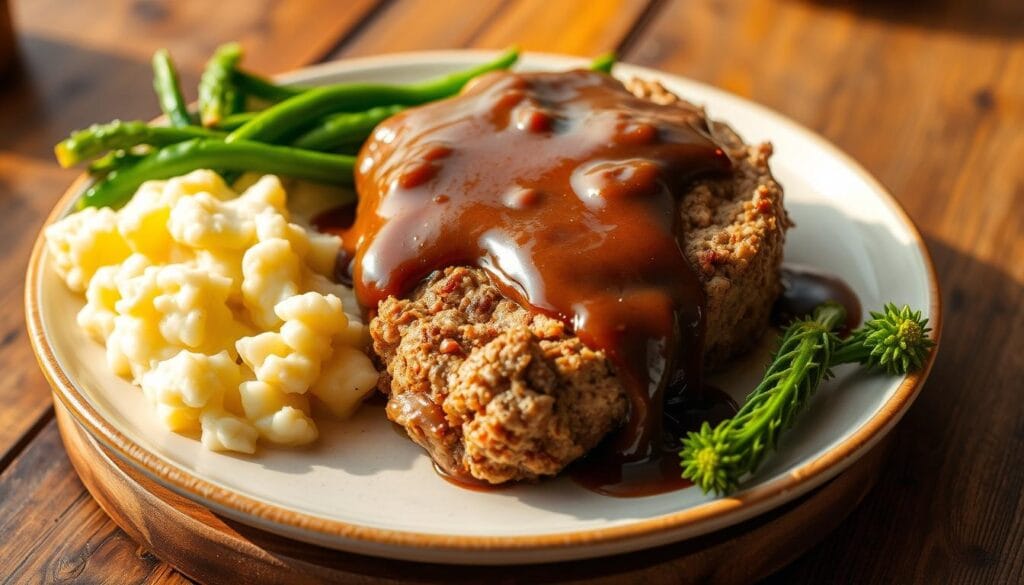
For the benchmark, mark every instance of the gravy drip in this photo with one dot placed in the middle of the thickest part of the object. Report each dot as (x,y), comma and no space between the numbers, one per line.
(562,186)
(804,288)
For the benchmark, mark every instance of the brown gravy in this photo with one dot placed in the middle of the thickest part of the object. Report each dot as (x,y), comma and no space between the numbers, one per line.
(561,186)
(804,288)
(661,473)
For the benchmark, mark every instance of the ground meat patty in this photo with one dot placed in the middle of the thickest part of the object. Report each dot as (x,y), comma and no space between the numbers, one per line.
(497,393)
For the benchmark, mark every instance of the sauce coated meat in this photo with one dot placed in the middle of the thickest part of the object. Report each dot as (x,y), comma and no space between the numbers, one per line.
(562,187)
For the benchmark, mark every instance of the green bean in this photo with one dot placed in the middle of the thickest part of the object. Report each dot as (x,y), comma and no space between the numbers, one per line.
(168,89)
(114,160)
(116,135)
(603,63)
(345,128)
(263,88)
(277,121)
(229,123)
(184,157)
(218,96)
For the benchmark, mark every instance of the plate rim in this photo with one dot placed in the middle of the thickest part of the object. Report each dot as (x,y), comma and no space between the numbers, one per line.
(715,514)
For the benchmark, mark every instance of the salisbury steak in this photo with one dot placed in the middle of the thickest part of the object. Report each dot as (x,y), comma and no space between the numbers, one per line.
(494,391)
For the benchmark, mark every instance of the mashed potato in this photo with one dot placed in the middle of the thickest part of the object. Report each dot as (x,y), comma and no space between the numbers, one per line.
(219,307)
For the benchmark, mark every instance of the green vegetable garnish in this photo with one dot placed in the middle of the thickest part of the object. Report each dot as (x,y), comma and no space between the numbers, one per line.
(603,63)
(113,160)
(118,135)
(264,89)
(896,340)
(345,128)
(277,121)
(218,95)
(235,121)
(178,159)
(168,89)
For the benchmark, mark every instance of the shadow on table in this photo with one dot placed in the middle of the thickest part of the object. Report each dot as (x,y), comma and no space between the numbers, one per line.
(56,87)
(945,497)
(992,18)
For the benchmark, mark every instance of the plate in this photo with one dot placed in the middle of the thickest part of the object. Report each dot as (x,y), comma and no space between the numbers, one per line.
(364,488)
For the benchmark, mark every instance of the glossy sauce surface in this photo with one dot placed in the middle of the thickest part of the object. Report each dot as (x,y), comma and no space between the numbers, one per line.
(562,187)
(661,472)
(804,288)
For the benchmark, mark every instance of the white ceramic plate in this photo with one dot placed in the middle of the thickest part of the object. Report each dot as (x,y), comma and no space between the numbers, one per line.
(364,488)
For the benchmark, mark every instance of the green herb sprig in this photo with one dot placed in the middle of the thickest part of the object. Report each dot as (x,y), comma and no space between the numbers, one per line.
(895,340)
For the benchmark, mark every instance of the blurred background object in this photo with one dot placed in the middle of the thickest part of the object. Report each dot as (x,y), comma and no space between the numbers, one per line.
(6,38)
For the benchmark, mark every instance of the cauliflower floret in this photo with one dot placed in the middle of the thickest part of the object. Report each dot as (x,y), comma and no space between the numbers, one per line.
(178,419)
(270,274)
(203,221)
(266,193)
(84,242)
(309,322)
(355,333)
(272,225)
(291,358)
(322,313)
(345,379)
(200,181)
(189,305)
(192,379)
(174,284)
(223,431)
(274,362)
(319,251)
(143,221)
(279,417)
(135,345)
(97,316)
(226,263)
(193,305)
(323,253)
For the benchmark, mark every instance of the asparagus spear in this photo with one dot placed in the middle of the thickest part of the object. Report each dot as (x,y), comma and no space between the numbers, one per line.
(113,160)
(98,138)
(181,158)
(218,96)
(168,89)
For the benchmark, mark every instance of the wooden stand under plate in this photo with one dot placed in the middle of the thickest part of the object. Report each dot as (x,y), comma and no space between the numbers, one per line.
(212,549)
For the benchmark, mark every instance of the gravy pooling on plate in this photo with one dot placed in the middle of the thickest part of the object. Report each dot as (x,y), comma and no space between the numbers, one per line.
(563,187)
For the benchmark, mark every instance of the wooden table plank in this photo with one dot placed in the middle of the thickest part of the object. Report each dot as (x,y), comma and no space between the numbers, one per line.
(928,96)
(933,105)
(23,390)
(582,27)
(417,25)
(55,532)
(277,35)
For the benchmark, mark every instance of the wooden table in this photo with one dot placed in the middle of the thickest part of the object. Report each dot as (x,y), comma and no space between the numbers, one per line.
(928,96)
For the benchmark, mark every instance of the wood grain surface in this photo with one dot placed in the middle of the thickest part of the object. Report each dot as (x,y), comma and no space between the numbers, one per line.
(212,549)
(927,95)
